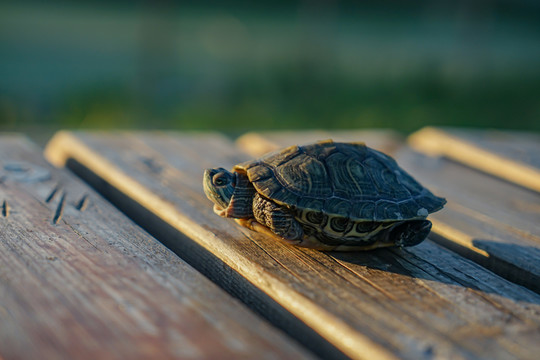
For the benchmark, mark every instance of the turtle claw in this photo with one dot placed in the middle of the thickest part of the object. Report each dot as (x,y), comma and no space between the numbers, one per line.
(253,225)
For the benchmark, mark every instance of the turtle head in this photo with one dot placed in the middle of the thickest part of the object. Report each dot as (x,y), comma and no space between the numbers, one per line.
(219,187)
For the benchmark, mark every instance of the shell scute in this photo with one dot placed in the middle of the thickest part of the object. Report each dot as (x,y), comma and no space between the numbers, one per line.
(261,172)
(311,203)
(386,210)
(342,179)
(336,205)
(304,175)
(407,181)
(275,159)
(408,209)
(268,187)
(427,202)
(363,210)
(350,178)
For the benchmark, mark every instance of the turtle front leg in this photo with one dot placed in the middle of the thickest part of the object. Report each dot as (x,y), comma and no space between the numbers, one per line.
(277,219)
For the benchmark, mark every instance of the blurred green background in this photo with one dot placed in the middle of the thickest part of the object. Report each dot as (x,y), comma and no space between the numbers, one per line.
(269,65)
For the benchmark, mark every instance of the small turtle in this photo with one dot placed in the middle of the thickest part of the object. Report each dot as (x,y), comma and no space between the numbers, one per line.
(327,196)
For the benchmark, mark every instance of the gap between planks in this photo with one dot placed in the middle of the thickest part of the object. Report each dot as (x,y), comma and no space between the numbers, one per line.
(295,302)
(65,146)
(437,142)
(94,285)
(448,223)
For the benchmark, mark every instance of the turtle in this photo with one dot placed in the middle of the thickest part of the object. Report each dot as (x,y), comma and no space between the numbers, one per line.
(327,196)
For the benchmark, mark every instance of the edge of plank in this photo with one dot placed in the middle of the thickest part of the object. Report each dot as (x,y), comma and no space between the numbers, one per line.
(450,237)
(67,287)
(437,142)
(253,140)
(259,143)
(64,146)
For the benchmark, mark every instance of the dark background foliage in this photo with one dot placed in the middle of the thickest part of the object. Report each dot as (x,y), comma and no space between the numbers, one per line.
(269,64)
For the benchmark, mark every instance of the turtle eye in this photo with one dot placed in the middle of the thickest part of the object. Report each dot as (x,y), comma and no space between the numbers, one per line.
(220,179)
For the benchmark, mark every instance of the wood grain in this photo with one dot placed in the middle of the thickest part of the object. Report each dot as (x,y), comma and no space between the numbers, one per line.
(383,140)
(509,155)
(420,303)
(489,220)
(79,280)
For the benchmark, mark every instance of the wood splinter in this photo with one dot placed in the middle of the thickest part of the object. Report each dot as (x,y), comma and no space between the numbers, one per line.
(59,210)
(53,193)
(83,203)
(5,209)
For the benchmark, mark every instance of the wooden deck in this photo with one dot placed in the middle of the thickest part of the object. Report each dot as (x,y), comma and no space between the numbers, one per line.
(121,256)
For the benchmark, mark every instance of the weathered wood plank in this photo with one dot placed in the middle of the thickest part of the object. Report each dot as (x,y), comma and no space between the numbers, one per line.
(383,140)
(491,221)
(509,155)
(419,303)
(79,280)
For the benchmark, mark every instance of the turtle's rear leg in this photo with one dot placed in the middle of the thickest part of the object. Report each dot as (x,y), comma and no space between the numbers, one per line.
(410,233)
(280,221)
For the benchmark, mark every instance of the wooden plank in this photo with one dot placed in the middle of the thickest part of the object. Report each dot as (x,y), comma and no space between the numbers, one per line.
(383,140)
(489,220)
(512,156)
(79,280)
(417,303)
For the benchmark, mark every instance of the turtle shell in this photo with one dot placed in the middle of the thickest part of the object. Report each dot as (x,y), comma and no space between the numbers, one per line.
(344,179)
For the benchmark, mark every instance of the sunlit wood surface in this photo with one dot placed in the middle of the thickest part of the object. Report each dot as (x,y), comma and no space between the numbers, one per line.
(509,155)
(487,219)
(79,280)
(417,303)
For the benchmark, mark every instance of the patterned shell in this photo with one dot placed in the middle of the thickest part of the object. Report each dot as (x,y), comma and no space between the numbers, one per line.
(344,179)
